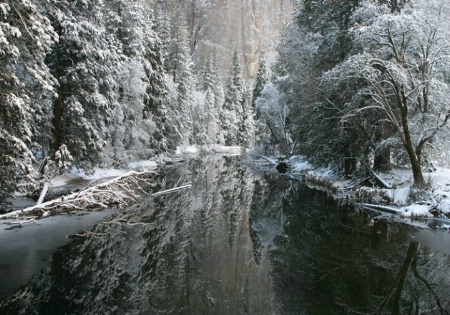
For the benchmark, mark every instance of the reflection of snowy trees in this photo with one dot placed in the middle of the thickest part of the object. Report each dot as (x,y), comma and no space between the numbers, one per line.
(339,264)
(149,256)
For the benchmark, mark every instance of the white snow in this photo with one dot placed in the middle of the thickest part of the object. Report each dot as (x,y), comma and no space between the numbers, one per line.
(192,150)
(417,211)
(100,173)
(400,195)
(145,164)
(187,149)
(400,181)
(299,164)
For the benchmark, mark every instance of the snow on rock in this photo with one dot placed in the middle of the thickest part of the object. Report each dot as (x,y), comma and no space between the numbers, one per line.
(444,206)
(417,211)
(399,195)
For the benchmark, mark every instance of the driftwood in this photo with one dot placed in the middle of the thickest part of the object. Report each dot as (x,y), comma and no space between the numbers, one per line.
(379,208)
(121,190)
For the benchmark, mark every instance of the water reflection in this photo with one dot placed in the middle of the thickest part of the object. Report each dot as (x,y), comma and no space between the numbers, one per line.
(330,261)
(238,242)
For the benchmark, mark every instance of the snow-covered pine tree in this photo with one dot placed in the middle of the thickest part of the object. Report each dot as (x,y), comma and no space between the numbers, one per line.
(157,89)
(248,123)
(175,42)
(262,77)
(209,84)
(185,81)
(78,61)
(218,84)
(206,78)
(138,113)
(26,90)
(212,119)
(232,114)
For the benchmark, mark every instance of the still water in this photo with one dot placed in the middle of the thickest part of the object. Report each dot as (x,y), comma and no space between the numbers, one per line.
(240,241)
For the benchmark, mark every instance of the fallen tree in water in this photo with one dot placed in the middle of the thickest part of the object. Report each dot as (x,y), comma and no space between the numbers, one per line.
(119,191)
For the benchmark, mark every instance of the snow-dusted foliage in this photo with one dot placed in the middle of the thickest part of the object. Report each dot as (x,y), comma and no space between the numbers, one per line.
(82,61)
(185,86)
(130,132)
(262,77)
(206,118)
(366,82)
(26,88)
(86,76)
(248,128)
(399,73)
(135,128)
(273,114)
(90,77)
(232,114)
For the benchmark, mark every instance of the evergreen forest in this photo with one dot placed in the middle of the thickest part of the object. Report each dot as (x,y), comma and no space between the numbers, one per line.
(358,85)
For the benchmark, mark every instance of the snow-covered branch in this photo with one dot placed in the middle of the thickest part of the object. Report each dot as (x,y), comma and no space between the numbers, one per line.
(118,191)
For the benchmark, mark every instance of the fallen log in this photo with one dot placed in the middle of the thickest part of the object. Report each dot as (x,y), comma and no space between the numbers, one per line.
(120,190)
(380,208)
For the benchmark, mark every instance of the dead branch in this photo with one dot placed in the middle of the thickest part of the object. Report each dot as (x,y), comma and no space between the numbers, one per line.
(168,191)
(118,191)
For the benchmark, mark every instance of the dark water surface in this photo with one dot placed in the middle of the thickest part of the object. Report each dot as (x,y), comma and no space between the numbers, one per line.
(241,242)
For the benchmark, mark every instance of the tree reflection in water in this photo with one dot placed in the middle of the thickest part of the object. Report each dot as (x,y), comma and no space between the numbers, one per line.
(238,242)
(329,261)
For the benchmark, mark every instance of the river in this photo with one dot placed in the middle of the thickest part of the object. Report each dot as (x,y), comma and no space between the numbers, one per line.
(241,241)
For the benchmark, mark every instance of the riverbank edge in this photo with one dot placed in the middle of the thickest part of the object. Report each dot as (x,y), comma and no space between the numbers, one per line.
(397,195)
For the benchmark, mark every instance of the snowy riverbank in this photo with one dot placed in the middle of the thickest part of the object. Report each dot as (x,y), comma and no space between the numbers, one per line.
(398,197)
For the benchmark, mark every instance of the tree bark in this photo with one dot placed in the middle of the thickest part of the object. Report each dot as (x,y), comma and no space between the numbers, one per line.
(382,158)
(58,110)
(414,156)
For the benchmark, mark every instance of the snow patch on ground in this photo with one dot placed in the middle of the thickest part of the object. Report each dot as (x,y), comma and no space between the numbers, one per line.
(142,165)
(399,196)
(444,206)
(399,181)
(299,164)
(417,211)
(192,150)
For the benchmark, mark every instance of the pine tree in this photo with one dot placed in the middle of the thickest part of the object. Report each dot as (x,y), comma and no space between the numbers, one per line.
(232,115)
(26,90)
(186,86)
(212,119)
(77,62)
(138,116)
(248,124)
(177,42)
(262,77)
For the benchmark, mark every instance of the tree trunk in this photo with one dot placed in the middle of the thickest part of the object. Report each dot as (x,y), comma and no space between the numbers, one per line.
(414,156)
(382,158)
(419,181)
(349,166)
(57,124)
